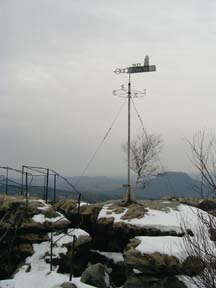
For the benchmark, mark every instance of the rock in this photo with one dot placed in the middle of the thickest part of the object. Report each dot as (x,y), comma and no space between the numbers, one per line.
(10,259)
(119,273)
(133,244)
(134,211)
(118,269)
(79,257)
(192,266)
(142,280)
(66,206)
(88,213)
(32,238)
(83,241)
(114,237)
(68,285)
(98,276)
(155,263)
(23,251)
(208,205)
(106,221)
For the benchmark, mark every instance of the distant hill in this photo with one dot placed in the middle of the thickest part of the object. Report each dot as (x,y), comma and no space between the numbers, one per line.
(174,184)
(99,188)
(177,184)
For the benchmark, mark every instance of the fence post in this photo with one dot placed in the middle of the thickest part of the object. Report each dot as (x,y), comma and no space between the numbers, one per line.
(6,188)
(79,199)
(26,194)
(51,250)
(22,180)
(54,187)
(47,185)
(78,211)
(72,258)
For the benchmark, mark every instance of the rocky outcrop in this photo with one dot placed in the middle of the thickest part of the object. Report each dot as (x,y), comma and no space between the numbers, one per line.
(155,263)
(77,257)
(12,256)
(68,285)
(142,280)
(161,264)
(19,230)
(120,234)
(16,215)
(32,238)
(89,256)
(118,268)
(88,213)
(192,266)
(97,275)
(208,205)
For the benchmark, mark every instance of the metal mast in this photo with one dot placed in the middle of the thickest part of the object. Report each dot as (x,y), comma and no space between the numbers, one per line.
(135,68)
(129,128)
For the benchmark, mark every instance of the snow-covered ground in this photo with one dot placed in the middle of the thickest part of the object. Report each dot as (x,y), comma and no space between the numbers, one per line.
(115,256)
(40,218)
(41,279)
(169,245)
(169,220)
(40,275)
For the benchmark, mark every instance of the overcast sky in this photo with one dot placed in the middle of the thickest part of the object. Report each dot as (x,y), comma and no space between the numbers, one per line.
(56,79)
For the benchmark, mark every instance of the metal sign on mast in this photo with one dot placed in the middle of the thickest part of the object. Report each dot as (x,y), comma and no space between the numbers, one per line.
(136,68)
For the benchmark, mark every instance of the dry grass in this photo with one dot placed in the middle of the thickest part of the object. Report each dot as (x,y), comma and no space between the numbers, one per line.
(134,211)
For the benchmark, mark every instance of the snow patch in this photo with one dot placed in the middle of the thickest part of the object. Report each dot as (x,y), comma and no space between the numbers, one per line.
(40,275)
(62,239)
(40,218)
(170,245)
(170,220)
(106,212)
(106,279)
(115,256)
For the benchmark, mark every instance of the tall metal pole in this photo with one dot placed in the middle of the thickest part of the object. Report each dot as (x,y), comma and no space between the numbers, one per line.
(136,68)
(129,127)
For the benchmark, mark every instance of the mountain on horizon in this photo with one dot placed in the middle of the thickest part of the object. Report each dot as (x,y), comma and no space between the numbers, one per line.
(101,188)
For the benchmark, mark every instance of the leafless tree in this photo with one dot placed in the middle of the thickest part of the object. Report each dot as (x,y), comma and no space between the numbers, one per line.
(202,245)
(200,248)
(203,149)
(144,151)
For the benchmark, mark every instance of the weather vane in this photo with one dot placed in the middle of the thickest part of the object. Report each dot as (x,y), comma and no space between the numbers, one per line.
(137,68)
(123,92)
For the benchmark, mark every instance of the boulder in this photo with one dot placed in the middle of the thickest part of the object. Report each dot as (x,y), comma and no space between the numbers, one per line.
(32,238)
(155,263)
(68,285)
(10,259)
(119,270)
(208,205)
(83,242)
(88,213)
(192,266)
(142,280)
(23,251)
(134,211)
(79,257)
(98,276)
